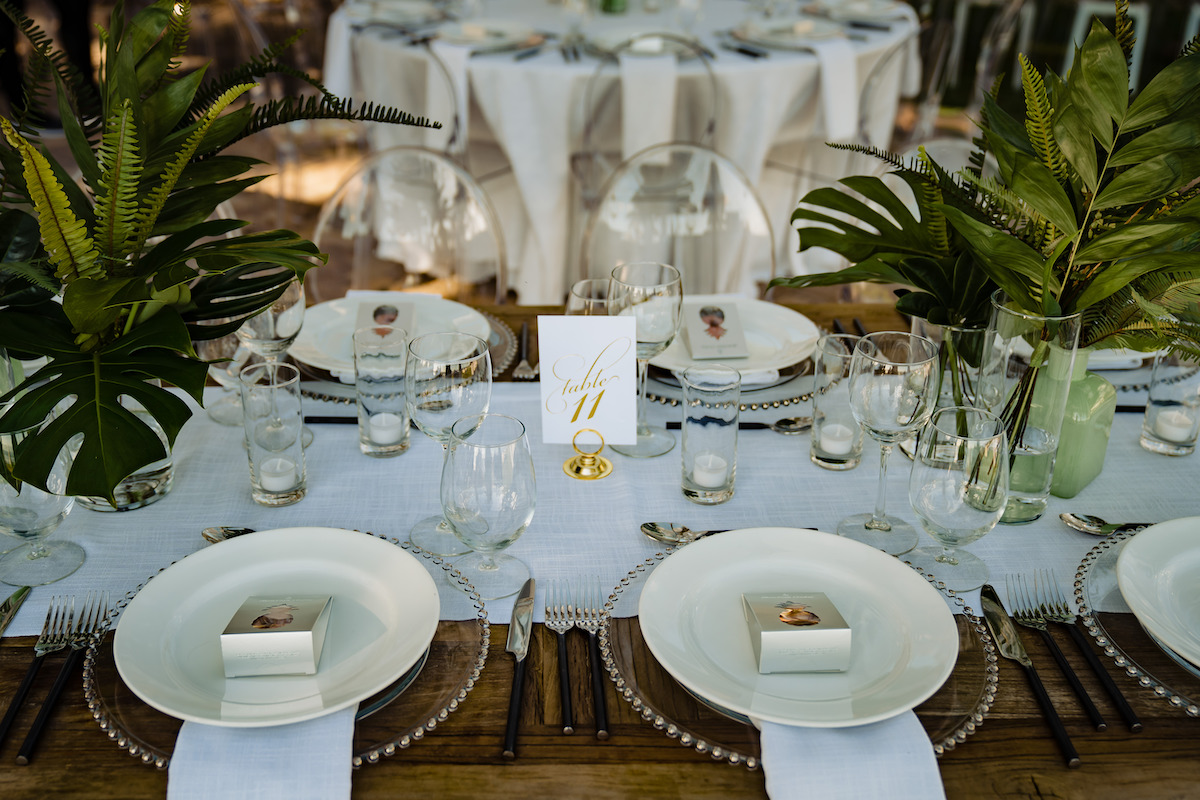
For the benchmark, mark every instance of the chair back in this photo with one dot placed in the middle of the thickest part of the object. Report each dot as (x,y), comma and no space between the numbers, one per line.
(405,218)
(687,206)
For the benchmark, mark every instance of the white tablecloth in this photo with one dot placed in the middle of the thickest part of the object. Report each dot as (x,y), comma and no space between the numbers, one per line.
(579,527)
(533,109)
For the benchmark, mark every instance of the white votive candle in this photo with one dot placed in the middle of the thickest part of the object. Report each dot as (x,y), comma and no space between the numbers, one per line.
(1175,425)
(837,440)
(277,474)
(386,428)
(710,471)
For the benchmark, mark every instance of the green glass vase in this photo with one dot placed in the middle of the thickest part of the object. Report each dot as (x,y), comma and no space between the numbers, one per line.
(1087,423)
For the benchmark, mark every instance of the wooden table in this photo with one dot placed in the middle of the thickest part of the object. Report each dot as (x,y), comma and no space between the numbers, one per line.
(1011,755)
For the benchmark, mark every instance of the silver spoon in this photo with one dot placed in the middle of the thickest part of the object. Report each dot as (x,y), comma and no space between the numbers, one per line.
(672,533)
(1088,523)
(220,533)
(792,425)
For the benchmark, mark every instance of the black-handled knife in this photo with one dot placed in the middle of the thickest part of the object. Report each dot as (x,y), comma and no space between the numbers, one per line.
(1008,642)
(518,644)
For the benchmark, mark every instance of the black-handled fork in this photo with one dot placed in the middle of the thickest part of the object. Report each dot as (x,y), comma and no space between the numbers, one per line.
(55,635)
(587,618)
(1056,609)
(560,618)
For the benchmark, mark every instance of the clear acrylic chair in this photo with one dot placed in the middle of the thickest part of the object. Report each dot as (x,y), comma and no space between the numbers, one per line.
(687,206)
(600,151)
(409,217)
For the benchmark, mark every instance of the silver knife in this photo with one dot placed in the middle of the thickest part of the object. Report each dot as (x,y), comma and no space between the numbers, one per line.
(518,644)
(1004,631)
(10,607)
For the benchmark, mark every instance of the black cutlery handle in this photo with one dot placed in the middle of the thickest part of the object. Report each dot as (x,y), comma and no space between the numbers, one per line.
(514,711)
(524,342)
(598,687)
(1110,686)
(14,705)
(1056,725)
(859,328)
(25,754)
(564,685)
(836,327)
(1068,672)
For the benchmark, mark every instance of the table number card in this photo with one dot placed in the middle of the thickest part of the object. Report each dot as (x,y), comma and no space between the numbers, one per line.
(714,329)
(588,377)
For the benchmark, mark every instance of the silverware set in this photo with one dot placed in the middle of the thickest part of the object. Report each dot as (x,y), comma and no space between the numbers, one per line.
(524,371)
(1036,602)
(63,628)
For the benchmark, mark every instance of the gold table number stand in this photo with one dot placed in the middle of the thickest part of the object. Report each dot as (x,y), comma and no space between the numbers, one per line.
(586,466)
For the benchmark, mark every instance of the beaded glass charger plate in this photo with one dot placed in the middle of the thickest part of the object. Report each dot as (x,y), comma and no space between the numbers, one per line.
(1109,619)
(393,719)
(949,715)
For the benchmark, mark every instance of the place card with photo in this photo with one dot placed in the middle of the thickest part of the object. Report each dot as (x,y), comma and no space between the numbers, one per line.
(714,329)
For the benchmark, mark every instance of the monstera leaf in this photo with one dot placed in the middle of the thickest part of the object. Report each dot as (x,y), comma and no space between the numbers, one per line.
(88,389)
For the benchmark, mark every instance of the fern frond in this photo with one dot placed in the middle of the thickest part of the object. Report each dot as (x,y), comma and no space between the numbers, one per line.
(1123,30)
(265,63)
(1191,47)
(65,236)
(886,156)
(117,194)
(157,199)
(35,273)
(292,109)
(1039,121)
(179,32)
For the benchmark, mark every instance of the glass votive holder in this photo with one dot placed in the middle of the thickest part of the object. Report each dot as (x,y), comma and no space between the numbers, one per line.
(379,355)
(837,438)
(273,421)
(1173,408)
(711,406)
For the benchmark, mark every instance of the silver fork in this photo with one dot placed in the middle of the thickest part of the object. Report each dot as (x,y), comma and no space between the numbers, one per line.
(560,618)
(54,636)
(1056,609)
(523,371)
(587,617)
(1026,612)
(93,616)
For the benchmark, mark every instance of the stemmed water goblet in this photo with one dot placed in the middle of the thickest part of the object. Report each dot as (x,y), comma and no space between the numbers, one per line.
(893,383)
(488,496)
(653,294)
(588,298)
(270,333)
(31,514)
(958,488)
(447,376)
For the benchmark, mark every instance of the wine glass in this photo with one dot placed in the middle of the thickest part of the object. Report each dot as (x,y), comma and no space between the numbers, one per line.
(958,488)
(893,383)
(688,14)
(30,514)
(232,355)
(653,294)
(488,496)
(588,298)
(448,375)
(269,334)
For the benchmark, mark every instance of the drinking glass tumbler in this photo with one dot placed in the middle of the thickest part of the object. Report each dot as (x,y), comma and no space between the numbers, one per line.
(837,438)
(711,406)
(380,352)
(273,421)
(1173,410)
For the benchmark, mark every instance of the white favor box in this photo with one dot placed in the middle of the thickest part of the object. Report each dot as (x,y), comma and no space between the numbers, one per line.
(273,635)
(797,632)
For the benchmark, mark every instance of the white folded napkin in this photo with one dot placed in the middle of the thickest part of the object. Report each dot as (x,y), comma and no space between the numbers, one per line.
(759,377)
(1116,358)
(647,100)
(890,759)
(289,762)
(839,87)
(455,58)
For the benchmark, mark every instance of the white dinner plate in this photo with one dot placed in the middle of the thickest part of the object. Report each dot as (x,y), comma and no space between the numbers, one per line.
(904,641)
(858,10)
(776,337)
(1158,573)
(652,45)
(488,33)
(326,339)
(787,33)
(392,12)
(385,612)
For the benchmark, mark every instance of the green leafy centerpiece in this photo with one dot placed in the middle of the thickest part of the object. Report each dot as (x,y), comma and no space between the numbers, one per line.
(114,264)
(1093,210)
